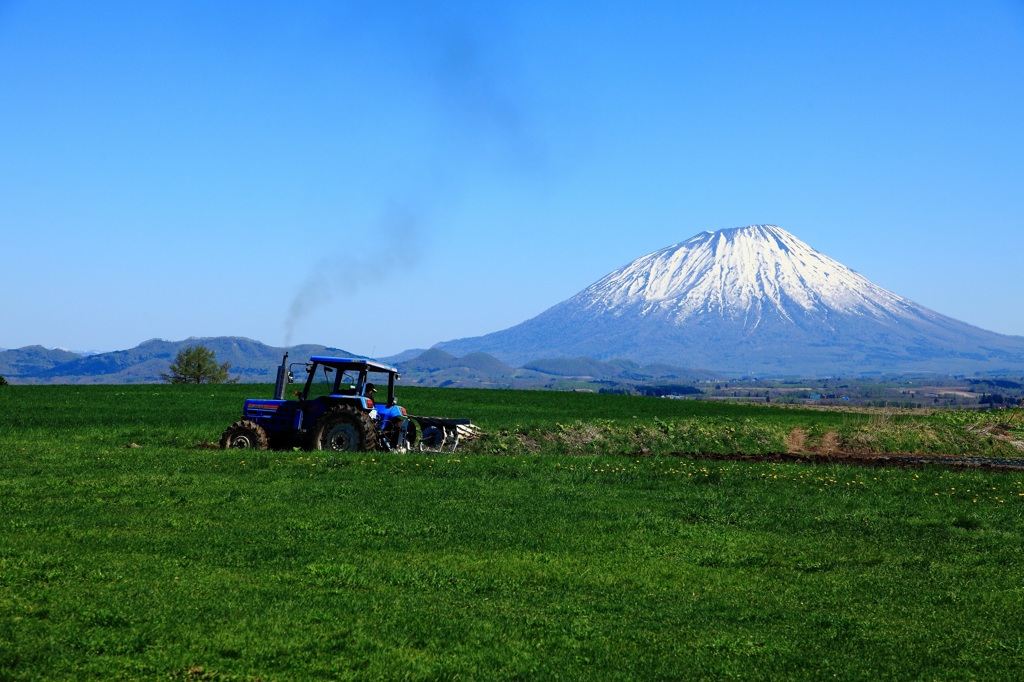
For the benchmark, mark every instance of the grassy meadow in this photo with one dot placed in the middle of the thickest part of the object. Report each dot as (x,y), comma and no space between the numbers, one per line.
(573,541)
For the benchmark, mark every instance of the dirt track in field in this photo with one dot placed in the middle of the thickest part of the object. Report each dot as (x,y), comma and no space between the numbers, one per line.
(829,452)
(871,460)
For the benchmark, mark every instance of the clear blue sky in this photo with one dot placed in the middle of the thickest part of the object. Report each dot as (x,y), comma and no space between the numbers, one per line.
(380,176)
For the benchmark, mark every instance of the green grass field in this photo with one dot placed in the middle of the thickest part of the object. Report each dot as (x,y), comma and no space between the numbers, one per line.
(570,543)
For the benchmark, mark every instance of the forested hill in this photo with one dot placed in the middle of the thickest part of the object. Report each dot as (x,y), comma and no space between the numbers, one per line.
(251,361)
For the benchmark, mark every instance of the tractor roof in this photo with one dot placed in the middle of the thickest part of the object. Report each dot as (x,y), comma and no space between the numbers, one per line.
(353,363)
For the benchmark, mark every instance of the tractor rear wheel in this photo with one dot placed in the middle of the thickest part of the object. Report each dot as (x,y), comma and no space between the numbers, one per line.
(244,434)
(344,429)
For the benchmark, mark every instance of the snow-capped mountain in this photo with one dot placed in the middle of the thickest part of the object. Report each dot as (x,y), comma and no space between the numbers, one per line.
(750,300)
(743,274)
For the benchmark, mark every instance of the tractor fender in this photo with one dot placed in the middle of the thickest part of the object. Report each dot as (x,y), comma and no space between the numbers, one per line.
(387,413)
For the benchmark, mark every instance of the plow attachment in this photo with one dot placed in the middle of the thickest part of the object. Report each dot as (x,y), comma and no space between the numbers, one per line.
(438,434)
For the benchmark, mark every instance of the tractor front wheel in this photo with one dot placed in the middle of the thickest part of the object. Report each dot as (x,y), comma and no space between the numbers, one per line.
(244,434)
(344,429)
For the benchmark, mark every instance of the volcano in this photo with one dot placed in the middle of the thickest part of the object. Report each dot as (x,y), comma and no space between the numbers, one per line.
(751,301)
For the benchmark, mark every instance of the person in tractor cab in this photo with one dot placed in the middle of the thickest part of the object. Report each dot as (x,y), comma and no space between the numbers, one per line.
(390,418)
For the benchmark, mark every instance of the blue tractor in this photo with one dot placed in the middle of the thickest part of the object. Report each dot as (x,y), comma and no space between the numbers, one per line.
(340,408)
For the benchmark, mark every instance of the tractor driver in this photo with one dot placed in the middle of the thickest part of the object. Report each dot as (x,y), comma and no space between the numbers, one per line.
(369,390)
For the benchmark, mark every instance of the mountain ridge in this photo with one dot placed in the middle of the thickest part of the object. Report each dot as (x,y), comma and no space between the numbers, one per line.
(255,362)
(251,361)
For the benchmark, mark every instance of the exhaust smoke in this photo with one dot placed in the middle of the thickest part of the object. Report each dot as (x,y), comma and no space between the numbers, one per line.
(387,247)
(470,79)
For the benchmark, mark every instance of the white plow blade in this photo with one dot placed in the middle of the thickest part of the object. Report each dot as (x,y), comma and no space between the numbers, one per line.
(443,435)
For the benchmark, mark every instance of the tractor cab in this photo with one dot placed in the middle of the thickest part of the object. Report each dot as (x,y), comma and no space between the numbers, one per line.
(349,379)
(367,384)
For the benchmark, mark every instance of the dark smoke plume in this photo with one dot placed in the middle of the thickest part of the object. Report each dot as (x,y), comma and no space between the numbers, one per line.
(474,78)
(389,246)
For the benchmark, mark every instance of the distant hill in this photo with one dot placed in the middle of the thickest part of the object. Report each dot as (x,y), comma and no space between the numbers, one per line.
(436,367)
(435,360)
(255,362)
(431,360)
(403,356)
(251,361)
(616,370)
(25,361)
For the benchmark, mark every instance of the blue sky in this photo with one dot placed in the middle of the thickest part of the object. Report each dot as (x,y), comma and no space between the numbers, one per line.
(382,176)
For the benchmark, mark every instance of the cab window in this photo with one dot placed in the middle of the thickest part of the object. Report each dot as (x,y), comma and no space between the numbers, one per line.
(322,383)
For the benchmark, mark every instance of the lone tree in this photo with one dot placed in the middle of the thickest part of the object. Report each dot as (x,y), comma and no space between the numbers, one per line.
(198,365)
(3,382)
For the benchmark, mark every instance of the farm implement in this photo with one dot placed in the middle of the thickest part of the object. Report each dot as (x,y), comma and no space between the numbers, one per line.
(338,410)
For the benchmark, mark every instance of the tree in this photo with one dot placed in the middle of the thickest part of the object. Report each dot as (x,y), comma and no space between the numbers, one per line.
(3,382)
(198,365)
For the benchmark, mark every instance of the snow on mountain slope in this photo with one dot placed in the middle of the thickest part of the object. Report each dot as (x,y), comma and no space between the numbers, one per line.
(749,299)
(741,273)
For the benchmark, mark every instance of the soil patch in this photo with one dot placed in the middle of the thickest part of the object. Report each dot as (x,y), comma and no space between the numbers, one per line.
(796,440)
(829,443)
(903,460)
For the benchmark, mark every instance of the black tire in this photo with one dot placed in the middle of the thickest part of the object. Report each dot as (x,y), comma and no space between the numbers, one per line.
(344,429)
(244,434)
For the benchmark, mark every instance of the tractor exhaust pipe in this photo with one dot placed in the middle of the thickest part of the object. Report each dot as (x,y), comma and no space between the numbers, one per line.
(282,379)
